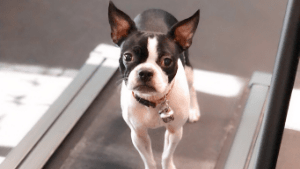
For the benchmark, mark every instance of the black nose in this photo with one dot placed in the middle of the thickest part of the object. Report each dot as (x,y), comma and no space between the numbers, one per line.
(145,75)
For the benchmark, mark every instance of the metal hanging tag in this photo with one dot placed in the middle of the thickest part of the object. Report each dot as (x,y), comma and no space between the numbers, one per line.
(165,112)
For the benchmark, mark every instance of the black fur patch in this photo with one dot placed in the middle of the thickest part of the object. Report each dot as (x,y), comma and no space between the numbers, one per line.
(136,44)
(184,57)
(167,47)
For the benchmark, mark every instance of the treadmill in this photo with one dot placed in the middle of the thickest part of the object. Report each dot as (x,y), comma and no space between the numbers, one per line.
(238,129)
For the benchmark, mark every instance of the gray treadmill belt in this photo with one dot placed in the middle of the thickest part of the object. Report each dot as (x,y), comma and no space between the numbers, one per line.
(101,138)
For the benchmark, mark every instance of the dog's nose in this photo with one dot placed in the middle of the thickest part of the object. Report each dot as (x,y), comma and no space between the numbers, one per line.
(145,75)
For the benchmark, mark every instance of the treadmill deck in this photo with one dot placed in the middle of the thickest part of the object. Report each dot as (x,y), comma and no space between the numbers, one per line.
(101,138)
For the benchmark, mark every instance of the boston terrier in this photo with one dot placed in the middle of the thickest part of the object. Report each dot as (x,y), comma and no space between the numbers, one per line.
(157,88)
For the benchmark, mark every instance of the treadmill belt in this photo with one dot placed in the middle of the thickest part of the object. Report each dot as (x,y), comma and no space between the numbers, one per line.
(101,139)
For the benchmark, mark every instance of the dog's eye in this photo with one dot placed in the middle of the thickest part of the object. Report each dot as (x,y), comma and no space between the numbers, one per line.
(167,62)
(128,57)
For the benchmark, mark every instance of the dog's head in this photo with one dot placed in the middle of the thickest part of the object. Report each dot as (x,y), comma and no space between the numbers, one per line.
(149,61)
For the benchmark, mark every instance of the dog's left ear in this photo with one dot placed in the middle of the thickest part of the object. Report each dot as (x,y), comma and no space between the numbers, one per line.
(120,23)
(182,32)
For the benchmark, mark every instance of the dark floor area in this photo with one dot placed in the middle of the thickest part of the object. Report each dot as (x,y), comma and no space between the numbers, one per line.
(102,139)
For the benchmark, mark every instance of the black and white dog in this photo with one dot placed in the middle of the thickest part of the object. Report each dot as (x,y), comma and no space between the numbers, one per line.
(157,88)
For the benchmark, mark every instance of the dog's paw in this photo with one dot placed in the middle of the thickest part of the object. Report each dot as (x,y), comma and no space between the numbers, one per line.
(194,115)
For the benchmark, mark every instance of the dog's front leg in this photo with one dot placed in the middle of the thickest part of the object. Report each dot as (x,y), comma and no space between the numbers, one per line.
(142,143)
(172,138)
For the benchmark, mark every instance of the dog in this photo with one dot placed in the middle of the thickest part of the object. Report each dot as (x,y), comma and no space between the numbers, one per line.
(157,86)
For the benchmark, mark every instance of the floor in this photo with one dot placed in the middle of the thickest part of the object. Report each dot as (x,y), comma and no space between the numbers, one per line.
(27,92)
(101,139)
(234,38)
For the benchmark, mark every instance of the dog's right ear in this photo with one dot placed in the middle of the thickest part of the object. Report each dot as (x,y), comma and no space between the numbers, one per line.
(120,23)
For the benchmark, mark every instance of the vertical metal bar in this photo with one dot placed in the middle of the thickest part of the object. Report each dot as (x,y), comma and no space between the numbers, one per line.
(284,73)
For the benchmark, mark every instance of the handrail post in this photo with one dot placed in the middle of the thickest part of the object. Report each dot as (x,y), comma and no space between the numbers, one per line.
(283,79)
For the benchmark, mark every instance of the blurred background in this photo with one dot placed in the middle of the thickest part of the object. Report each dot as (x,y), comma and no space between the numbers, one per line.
(44,43)
(234,37)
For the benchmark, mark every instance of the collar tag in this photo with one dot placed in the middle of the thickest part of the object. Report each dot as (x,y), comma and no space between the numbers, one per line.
(166,112)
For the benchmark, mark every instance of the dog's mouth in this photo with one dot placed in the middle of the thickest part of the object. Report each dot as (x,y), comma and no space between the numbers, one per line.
(144,89)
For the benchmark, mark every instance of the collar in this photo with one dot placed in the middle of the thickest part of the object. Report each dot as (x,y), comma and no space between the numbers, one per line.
(151,103)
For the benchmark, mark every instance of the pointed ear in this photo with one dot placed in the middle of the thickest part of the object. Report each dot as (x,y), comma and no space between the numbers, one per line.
(182,32)
(120,23)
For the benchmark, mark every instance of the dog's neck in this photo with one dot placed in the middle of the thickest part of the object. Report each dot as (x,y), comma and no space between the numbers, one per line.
(153,101)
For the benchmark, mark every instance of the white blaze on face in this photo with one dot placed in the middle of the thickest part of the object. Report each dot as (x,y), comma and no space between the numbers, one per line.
(160,79)
(152,50)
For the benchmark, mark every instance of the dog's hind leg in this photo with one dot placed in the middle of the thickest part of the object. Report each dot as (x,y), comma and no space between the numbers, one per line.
(142,143)
(194,108)
(194,114)
(172,138)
